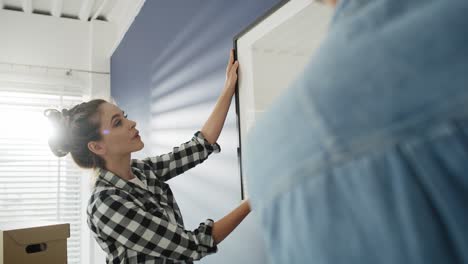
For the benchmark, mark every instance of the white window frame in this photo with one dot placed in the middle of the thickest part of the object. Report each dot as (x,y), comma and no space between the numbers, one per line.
(59,81)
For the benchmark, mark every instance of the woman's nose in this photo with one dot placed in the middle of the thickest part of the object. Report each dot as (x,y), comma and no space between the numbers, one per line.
(132,124)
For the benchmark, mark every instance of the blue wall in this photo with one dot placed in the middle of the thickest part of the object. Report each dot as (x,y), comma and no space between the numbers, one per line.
(167,74)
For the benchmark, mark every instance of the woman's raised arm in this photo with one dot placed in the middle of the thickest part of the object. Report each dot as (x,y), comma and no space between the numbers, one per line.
(215,122)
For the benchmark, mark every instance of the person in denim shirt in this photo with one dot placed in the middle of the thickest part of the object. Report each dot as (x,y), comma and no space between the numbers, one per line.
(364,158)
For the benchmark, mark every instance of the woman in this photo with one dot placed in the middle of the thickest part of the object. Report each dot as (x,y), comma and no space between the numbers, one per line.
(132,211)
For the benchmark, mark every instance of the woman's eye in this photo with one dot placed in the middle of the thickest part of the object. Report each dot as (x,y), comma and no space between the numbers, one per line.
(118,122)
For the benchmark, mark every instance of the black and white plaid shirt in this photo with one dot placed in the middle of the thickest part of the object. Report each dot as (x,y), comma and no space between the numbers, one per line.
(135,225)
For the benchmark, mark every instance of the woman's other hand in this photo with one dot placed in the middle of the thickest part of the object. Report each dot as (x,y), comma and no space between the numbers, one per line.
(246,203)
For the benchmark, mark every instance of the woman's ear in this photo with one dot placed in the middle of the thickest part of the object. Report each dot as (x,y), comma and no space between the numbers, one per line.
(96,148)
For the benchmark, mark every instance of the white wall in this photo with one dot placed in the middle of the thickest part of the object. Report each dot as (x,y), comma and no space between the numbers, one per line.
(51,46)
(48,41)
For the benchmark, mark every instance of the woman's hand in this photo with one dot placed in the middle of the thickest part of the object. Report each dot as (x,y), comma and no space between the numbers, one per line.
(231,73)
(223,227)
(246,203)
(213,126)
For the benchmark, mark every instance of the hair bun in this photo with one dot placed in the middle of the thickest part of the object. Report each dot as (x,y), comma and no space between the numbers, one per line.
(52,114)
(59,142)
(65,112)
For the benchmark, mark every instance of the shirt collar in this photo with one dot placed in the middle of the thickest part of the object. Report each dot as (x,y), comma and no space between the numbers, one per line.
(106,177)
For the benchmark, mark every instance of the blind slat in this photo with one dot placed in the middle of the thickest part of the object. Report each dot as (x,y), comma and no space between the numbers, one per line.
(65,203)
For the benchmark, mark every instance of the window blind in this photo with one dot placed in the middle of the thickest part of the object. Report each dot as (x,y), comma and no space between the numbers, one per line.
(34,184)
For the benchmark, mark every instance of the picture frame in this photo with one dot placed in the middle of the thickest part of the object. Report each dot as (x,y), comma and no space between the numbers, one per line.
(272,51)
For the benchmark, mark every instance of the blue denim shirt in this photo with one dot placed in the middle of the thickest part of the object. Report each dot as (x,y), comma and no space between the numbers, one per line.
(364,159)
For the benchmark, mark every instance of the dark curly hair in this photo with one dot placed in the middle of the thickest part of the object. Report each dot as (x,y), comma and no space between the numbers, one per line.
(74,128)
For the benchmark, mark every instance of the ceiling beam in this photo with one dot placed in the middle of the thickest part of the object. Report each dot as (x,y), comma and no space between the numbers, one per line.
(57,6)
(124,21)
(85,11)
(27,6)
(98,11)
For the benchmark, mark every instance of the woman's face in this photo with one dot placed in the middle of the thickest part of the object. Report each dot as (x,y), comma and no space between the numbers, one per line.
(118,132)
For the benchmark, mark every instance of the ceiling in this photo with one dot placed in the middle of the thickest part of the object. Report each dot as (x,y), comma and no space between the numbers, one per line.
(84,10)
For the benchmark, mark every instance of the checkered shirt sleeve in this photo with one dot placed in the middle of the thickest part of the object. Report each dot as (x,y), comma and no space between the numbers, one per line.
(128,225)
(182,158)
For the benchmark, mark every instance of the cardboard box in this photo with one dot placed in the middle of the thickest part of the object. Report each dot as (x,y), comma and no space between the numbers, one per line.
(34,242)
